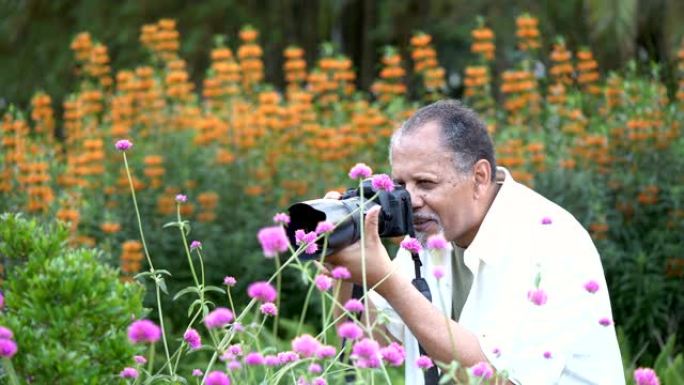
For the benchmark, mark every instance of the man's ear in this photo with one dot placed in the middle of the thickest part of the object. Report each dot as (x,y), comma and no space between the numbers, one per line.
(482,174)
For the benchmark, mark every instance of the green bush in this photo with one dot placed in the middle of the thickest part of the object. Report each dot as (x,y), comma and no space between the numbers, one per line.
(68,310)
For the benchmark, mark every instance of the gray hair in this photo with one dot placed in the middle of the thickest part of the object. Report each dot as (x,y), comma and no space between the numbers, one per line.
(463,133)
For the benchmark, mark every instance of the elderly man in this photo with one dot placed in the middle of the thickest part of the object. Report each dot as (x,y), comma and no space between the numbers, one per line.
(524,289)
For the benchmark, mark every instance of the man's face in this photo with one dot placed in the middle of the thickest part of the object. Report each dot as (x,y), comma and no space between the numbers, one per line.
(442,198)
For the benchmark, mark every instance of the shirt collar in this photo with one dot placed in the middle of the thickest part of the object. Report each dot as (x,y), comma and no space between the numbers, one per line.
(489,242)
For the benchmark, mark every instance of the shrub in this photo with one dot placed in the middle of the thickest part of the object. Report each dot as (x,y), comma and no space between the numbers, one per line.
(67,309)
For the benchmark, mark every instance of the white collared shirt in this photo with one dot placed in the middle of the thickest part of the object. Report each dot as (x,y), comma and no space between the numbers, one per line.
(560,342)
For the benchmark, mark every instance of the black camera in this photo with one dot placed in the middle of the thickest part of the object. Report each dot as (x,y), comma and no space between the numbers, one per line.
(395,219)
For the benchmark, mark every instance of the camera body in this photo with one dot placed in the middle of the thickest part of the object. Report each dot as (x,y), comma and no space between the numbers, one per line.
(395,219)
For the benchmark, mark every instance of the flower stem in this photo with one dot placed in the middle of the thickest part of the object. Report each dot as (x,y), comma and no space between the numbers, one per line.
(9,369)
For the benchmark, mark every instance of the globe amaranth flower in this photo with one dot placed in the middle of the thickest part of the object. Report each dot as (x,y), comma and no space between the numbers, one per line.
(8,348)
(394,354)
(123,144)
(195,245)
(325,351)
(287,357)
(217,378)
(254,359)
(324,227)
(482,370)
(305,345)
(229,281)
(349,330)
(142,331)
(319,381)
(128,373)
(353,305)
(6,333)
(234,365)
(646,376)
(546,221)
(308,239)
(197,372)
(269,308)
(281,219)
(235,349)
(360,171)
(273,240)
(218,317)
(366,353)
(262,291)
(438,272)
(141,360)
(412,245)
(315,368)
(591,286)
(424,362)
(548,355)
(436,242)
(323,282)
(382,182)
(537,296)
(340,272)
(180,198)
(193,339)
(605,321)
(271,360)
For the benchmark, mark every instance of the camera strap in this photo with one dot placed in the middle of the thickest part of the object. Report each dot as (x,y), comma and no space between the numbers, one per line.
(431,374)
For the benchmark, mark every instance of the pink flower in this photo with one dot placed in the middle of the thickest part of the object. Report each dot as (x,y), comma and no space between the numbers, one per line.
(144,331)
(360,171)
(324,227)
(308,239)
(2,301)
(382,182)
(262,291)
(218,318)
(319,381)
(281,219)
(271,360)
(123,144)
(591,286)
(496,352)
(269,308)
(128,373)
(646,376)
(412,245)
(315,368)
(195,245)
(197,372)
(140,360)
(325,351)
(537,296)
(254,359)
(437,242)
(273,240)
(287,357)
(394,354)
(482,370)
(6,333)
(193,339)
(217,378)
(229,281)
(349,330)
(438,272)
(305,345)
(235,349)
(546,221)
(340,272)
(323,282)
(366,353)
(8,348)
(180,198)
(424,362)
(354,306)
(547,355)
(234,365)
(605,321)
(238,327)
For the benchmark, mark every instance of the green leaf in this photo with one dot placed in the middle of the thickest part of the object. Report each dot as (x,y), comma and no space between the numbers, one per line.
(162,286)
(214,288)
(190,289)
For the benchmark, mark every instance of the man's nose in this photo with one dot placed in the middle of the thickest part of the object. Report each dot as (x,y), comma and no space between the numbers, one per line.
(416,199)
